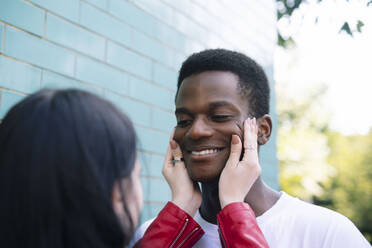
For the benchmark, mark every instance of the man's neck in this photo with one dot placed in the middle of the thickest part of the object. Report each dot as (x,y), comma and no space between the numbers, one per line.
(260,198)
(210,206)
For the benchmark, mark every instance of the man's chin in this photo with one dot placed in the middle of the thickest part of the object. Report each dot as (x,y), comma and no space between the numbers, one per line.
(204,178)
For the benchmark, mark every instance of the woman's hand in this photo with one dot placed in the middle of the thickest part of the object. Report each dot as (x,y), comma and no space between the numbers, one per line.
(185,193)
(238,177)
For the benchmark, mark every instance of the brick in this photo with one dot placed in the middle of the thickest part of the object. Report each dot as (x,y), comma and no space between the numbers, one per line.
(134,16)
(178,59)
(66,8)
(151,93)
(145,213)
(162,120)
(151,164)
(159,30)
(186,25)
(193,47)
(156,166)
(203,18)
(217,9)
(106,26)
(269,162)
(129,61)
(156,209)
(19,76)
(165,76)
(54,81)
(180,5)
(157,8)
(156,190)
(270,174)
(170,36)
(139,113)
(22,15)
(39,52)
(152,141)
(8,100)
(150,211)
(1,36)
(147,24)
(72,36)
(102,4)
(102,75)
(145,160)
(152,48)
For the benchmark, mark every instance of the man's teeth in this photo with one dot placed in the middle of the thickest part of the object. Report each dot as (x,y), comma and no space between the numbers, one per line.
(204,152)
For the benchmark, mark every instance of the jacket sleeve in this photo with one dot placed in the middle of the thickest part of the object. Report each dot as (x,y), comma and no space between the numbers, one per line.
(238,227)
(172,228)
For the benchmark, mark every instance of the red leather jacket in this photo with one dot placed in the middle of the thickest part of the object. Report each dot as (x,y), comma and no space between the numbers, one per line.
(175,228)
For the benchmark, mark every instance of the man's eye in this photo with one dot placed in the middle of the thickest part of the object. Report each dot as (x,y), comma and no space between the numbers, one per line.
(183,123)
(220,118)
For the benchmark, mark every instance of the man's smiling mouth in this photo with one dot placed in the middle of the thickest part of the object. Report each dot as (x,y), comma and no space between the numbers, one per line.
(201,154)
(206,151)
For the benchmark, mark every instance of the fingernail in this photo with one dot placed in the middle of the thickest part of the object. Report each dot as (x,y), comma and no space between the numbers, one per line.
(172,133)
(173,144)
(234,139)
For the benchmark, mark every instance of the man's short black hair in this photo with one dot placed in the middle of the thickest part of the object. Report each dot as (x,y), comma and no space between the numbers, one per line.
(252,79)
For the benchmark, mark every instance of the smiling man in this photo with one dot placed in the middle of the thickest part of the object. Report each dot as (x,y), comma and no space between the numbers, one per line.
(217,90)
(208,113)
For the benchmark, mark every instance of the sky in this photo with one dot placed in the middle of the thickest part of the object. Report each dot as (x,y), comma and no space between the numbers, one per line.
(324,56)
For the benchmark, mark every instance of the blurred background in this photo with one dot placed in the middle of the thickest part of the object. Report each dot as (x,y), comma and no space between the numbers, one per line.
(323,78)
(316,53)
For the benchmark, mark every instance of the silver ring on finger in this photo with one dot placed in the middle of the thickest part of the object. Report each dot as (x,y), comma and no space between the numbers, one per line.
(177,160)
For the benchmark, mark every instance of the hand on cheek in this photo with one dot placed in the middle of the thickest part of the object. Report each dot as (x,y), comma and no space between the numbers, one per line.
(238,176)
(239,131)
(185,193)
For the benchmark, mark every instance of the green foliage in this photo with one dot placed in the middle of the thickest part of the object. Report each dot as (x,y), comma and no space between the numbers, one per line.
(287,7)
(317,164)
(349,191)
(346,28)
(360,24)
(302,148)
(324,166)
(349,31)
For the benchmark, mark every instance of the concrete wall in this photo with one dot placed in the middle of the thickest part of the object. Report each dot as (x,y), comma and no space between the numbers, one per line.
(129,52)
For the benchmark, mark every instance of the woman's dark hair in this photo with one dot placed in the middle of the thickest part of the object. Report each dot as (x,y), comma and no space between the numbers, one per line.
(61,151)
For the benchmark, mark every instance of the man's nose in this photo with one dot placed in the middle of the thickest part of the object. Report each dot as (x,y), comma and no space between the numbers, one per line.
(200,129)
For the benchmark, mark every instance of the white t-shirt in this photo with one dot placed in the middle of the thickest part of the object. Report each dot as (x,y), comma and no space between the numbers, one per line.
(290,223)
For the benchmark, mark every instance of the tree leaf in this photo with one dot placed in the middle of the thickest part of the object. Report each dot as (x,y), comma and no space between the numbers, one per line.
(346,28)
(285,43)
(360,24)
(286,10)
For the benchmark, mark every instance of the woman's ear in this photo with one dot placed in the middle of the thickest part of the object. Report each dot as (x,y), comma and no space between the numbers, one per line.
(264,129)
(117,200)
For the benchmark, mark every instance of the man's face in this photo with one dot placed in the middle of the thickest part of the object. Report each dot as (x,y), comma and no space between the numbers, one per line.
(209,109)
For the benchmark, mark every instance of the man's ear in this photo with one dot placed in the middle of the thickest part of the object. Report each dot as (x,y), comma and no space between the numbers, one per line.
(264,129)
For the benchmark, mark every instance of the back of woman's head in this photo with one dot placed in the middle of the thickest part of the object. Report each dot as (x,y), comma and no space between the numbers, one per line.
(61,152)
